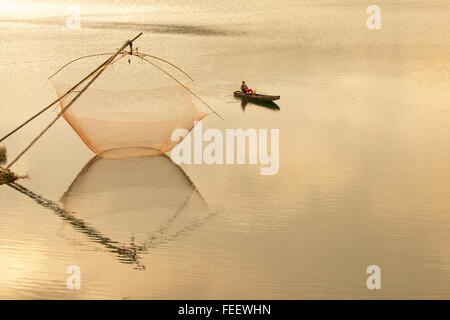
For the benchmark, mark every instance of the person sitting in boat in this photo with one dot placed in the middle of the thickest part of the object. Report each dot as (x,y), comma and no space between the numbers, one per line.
(245,89)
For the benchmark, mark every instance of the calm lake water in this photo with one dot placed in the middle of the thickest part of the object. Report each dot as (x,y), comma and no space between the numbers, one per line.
(364,173)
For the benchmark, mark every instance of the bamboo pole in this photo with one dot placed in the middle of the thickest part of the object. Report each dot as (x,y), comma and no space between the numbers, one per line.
(68,92)
(100,70)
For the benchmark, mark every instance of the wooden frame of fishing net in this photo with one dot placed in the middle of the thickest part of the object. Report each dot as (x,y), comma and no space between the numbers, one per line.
(132,109)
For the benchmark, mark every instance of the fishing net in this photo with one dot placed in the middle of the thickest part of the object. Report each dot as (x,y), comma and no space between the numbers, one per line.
(131,110)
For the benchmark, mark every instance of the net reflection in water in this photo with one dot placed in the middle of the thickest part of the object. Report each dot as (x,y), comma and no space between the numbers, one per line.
(145,202)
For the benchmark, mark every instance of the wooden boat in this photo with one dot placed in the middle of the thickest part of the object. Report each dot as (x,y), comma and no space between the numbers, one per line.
(255,97)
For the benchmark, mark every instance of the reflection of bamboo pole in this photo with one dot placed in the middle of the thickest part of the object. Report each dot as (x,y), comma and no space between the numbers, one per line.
(128,254)
(99,72)
(67,93)
(181,84)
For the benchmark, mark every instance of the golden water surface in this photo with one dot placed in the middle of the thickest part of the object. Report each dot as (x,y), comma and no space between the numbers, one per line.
(364,177)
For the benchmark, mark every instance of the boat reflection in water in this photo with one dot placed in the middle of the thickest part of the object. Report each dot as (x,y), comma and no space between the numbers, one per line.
(129,206)
(265,104)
